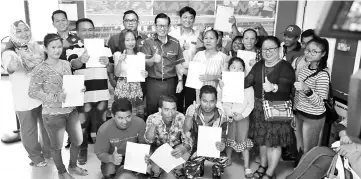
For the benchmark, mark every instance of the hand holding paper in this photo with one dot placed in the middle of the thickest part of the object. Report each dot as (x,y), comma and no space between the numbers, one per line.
(195,70)
(135,68)
(135,157)
(207,138)
(222,19)
(220,146)
(74,88)
(163,158)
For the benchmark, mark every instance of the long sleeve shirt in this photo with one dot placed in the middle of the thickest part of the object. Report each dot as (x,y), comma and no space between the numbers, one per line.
(219,119)
(174,136)
(244,108)
(46,83)
(319,84)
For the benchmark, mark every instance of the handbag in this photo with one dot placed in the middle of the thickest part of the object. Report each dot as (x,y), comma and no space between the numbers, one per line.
(276,111)
(331,114)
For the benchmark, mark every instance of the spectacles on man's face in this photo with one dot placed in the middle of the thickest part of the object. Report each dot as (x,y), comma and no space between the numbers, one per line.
(162,26)
(312,52)
(269,50)
(128,21)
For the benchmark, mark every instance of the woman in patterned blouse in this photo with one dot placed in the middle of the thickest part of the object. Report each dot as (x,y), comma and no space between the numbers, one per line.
(46,85)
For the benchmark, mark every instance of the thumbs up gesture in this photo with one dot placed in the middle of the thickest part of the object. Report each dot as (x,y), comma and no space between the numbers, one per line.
(267,86)
(156,57)
(123,55)
(116,158)
(185,45)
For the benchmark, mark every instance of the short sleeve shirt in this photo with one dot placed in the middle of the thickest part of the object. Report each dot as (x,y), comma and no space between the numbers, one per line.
(170,52)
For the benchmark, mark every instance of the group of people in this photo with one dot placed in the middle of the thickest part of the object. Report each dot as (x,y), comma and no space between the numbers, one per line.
(163,110)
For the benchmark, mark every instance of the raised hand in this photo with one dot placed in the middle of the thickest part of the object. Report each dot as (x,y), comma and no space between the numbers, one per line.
(156,57)
(267,86)
(85,57)
(116,158)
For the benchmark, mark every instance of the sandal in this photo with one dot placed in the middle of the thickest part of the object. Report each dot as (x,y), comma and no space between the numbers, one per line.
(40,164)
(259,174)
(269,177)
(248,173)
(77,170)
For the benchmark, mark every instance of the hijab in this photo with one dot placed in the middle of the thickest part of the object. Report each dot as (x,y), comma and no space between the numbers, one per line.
(29,52)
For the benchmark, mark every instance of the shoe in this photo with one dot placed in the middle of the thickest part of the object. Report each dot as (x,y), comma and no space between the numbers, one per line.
(260,172)
(11,138)
(65,175)
(287,156)
(216,177)
(248,173)
(83,156)
(40,164)
(78,171)
(298,158)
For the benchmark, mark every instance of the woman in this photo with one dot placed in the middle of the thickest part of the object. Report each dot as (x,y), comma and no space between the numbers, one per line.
(250,39)
(279,78)
(128,90)
(20,56)
(236,45)
(238,113)
(312,89)
(46,85)
(213,59)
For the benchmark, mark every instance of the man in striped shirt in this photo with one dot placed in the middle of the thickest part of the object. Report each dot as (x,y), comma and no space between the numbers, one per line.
(96,83)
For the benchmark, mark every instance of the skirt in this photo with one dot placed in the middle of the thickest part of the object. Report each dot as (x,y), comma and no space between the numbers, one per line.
(131,91)
(270,134)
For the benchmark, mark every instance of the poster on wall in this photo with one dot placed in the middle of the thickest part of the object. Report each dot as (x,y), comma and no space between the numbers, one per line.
(108,15)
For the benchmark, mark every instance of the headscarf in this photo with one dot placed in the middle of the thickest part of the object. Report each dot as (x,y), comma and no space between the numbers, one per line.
(30,53)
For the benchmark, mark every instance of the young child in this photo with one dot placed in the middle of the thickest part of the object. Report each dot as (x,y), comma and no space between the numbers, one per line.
(128,90)
(237,113)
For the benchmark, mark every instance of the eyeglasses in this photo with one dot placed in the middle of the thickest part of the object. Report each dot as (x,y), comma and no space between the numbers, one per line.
(162,26)
(269,50)
(313,52)
(130,21)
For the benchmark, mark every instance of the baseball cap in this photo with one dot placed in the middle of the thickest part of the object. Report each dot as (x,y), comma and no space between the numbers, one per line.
(292,31)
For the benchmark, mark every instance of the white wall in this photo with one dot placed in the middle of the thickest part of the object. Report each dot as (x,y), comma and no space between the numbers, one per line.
(10,11)
(311,14)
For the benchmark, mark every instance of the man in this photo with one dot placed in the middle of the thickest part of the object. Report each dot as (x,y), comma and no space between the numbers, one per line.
(187,38)
(96,83)
(291,48)
(205,114)
(166,126)
(306,36)
(130,22)
(164,64)
(61,23)
(114,134)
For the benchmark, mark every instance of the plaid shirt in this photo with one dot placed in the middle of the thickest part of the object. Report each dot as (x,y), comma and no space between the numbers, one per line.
(174,136)
(219,120)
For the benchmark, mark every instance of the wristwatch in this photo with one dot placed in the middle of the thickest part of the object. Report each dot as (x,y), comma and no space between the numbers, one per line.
(180,81)
(275,88)
(308,92)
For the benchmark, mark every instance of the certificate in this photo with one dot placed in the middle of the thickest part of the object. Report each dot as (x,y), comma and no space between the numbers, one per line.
(163,158)
(207,138)
(95,49)
(134,157)
(73,86)
(233,89)
(222,16)
(248,57)
(135,65)
(194,71)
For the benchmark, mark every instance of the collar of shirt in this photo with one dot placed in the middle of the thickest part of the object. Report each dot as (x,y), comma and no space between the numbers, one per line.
(216,119)
(157,39)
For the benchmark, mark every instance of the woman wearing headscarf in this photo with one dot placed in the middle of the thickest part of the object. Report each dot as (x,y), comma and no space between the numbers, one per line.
(20,56)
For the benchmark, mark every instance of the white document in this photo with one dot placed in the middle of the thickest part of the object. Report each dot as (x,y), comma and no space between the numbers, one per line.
(194,71)
(95,49)
(223,14)
(233,89)
(207,138)
(135,65)
(71,11)
(134,157)
(73,86)
(248,57)
(163,158)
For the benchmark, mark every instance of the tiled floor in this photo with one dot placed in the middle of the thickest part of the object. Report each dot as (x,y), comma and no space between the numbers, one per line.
(15,163)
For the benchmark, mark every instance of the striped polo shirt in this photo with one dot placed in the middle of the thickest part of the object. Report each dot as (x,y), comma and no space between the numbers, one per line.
(95,80)
(313,106)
